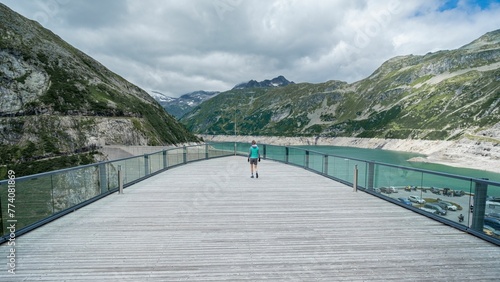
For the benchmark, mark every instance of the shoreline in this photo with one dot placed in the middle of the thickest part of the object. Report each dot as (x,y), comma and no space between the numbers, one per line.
(464,153)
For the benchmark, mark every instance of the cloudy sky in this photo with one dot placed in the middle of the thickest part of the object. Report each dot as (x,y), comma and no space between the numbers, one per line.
(177,47)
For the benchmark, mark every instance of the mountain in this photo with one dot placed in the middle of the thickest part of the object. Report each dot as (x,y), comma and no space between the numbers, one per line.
(279,81)
(184,104)
(441,95)
(57,102)
(178,107)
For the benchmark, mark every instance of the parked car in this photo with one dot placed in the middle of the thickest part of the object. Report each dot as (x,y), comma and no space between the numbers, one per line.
(435,207)
(492,227)
(385,190)
(493,199)
(416,199)
(491,232)
(447,205)
(405,201)
(458,193)
(494,215)
(429,210)
(442,205)
(492,222)
(393,189)
(435,190)
(492,207)
(447,192)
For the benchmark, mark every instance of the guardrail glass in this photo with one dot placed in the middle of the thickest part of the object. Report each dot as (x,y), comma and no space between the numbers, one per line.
(470,203)
(26,202)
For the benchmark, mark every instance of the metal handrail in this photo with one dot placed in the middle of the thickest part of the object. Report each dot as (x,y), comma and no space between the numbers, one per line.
(102,180)
(476,224)
(455,176)
(225,149)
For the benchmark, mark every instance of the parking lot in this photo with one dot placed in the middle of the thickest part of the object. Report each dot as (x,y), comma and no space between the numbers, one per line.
(462,202)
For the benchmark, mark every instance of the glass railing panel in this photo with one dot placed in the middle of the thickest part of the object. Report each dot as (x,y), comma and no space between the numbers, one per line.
(29,200)
(112,175)
(493,200)
(243,148)
(396,182)
(484,208)
(296,156)
(388,176)
(156,162)
(227,149)
(445,196)
(140,163)
(211,150)
(218,150)
(340,168)
(192,153)
(277,153)
(316,162)
(132,168)
(175,156)
(73,187)
(113,170)
(195,153)
(361,167)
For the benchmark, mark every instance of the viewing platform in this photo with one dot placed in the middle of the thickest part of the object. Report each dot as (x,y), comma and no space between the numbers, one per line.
(209,221)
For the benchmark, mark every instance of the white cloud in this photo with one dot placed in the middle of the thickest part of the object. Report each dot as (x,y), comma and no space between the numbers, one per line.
(181,46)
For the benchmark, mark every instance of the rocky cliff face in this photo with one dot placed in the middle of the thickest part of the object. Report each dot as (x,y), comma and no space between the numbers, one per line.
(55,100)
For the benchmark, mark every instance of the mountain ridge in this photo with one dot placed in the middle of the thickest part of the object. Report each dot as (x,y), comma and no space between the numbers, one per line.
(178,107)
(439,96)
(278,81)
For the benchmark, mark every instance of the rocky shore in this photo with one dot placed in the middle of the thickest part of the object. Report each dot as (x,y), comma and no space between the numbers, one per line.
(474,152)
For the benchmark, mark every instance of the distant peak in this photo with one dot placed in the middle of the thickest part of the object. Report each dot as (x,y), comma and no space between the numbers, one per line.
(278,81)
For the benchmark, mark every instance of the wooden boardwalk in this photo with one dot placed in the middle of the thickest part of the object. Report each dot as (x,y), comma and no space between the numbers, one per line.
(209,221)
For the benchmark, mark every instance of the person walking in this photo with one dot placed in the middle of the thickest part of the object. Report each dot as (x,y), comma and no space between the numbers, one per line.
(253,157)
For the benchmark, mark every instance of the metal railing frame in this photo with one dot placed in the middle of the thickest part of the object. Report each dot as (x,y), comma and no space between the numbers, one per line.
(103,180)
(231,150)
(480,183)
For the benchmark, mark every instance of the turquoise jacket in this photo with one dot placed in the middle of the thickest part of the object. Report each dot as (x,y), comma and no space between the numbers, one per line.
(253,153)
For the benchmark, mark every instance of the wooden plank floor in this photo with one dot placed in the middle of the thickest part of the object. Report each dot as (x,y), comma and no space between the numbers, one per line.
(209,221)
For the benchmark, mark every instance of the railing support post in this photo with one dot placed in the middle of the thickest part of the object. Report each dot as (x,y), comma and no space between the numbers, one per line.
(287,151)
(306,162)
(371,175)
(325,166)
(479,206)
(120,180)
(103,182)
(264,148)
(165,162)
(355,180)
(184,154)
(146,165)
(206,151)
